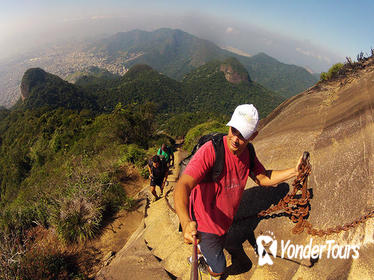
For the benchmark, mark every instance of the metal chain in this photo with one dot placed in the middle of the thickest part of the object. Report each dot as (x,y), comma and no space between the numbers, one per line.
(297,209)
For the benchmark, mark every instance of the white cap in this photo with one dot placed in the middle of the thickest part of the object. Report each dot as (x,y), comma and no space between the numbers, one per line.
(245,120)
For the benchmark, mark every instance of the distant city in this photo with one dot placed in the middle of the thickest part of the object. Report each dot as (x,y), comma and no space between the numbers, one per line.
(62,61)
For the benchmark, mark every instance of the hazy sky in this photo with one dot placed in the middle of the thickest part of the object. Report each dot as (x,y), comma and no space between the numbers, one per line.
(314,33)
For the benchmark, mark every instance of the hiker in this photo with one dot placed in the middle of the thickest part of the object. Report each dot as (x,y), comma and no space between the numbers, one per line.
(158,173)
(167,153)
(206,208)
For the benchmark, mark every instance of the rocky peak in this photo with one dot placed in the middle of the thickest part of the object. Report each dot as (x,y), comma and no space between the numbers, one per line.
(234,72)
(31,77)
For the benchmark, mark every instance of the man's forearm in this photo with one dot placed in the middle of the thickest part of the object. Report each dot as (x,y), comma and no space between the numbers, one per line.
(274,177)
(181,199)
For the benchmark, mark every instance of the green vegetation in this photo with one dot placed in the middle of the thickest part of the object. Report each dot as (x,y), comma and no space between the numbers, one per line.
(208,90)
(286,79)
(179,124)
(64,158)
(23,260)
(204,94)
(44,89)
(86,76)
(62,168)
(3,112)
(196,132)
(333,72)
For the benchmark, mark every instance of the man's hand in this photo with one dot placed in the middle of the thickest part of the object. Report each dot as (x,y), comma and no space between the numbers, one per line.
(190,230)
(274,177)
(298,165)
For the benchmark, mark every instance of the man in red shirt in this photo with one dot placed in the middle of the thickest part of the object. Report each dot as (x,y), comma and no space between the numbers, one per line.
(207,209)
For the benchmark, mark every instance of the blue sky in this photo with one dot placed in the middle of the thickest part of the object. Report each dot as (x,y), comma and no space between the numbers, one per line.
(332,29)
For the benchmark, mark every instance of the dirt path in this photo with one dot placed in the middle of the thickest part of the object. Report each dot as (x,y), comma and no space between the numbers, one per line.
(99,252)
(96,253)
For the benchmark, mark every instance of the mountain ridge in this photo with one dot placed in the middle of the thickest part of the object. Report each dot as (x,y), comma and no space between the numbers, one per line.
(176,52)
(215,87)
(188,52)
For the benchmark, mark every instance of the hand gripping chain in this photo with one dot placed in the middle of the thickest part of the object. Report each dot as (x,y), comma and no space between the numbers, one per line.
(297,207)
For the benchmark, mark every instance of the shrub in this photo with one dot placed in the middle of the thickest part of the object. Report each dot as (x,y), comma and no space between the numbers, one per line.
(144,172)
(86,199)
(19,259)
(77,218)
(11,253)
(77,214)
(333,72)
(46,263)
(323,76)
(114,197)
(179,124)
(133,154)
(21,215)
(195,133)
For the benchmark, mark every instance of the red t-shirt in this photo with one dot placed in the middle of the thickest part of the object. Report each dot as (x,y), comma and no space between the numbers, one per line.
(215,203)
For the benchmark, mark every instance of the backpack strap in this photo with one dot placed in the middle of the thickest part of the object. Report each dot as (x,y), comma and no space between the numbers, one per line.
(252,156)
(219,149)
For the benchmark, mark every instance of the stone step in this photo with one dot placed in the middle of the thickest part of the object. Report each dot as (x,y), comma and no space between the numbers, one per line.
(134,261)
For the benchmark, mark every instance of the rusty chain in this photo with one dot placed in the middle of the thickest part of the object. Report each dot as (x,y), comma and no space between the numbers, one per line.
(297,209)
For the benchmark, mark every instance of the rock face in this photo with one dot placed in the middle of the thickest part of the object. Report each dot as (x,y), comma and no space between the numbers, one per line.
(334,122)
(31,77)
(232,76)
(234,71)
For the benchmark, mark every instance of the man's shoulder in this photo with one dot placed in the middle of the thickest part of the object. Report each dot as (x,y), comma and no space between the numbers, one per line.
(206,147)
(205,153)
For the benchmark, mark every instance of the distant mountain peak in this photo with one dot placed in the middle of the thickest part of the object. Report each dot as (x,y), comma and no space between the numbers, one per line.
(234,71)
(139,69)
(40,88)
(32,77)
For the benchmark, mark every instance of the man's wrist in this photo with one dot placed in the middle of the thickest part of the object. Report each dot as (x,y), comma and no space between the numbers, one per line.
(296,172)
(185,223)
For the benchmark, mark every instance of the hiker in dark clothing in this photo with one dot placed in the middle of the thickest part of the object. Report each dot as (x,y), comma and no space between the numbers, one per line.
(158,173)
(167,153)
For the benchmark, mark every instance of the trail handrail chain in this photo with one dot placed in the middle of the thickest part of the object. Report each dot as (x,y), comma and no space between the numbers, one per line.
(298,208)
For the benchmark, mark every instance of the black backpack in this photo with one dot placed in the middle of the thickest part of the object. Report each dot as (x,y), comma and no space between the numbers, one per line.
(219,149)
